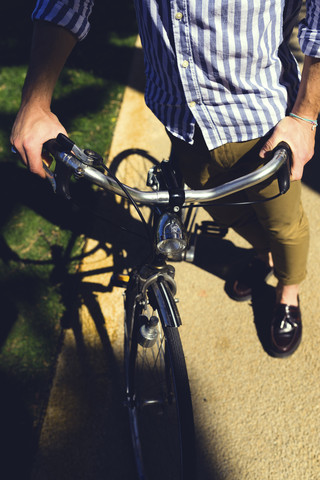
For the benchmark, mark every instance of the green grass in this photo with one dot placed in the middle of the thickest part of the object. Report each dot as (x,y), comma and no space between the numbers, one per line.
(42,237)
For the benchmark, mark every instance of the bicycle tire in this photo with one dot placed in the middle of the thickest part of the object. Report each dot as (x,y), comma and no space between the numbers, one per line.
(131,167)
(158,392)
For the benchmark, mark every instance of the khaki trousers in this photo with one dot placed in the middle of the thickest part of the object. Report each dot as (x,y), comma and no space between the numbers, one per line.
(279,225)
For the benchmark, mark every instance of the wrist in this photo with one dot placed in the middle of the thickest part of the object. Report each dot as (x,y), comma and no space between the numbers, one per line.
(310,113)
(34,99)
(312,122)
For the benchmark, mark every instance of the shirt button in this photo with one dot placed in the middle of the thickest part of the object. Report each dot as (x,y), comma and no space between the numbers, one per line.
(179,15)
(192,104)
(185,63)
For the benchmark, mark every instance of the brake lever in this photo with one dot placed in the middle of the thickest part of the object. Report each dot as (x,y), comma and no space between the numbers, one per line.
(59,179)
(51,177)
(88,157)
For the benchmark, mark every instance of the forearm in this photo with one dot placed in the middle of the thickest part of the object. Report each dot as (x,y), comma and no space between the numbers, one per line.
(299,134)
(51,46)
(307,104)
(35,123)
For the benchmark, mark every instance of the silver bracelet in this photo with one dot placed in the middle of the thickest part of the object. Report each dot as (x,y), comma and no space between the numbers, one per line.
(314,122)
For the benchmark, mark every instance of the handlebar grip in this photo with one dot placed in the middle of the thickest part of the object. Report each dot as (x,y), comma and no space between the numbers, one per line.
(283,173)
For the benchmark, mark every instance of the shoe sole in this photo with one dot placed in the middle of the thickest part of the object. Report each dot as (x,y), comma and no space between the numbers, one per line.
(275,354)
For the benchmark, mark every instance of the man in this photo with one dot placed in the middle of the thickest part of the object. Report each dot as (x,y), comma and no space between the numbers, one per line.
(222,80)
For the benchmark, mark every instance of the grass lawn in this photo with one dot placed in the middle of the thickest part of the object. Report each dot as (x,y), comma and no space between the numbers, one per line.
(41,236)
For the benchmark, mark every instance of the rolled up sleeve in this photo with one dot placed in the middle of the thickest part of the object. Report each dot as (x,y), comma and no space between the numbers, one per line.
(70,14)
(309,29)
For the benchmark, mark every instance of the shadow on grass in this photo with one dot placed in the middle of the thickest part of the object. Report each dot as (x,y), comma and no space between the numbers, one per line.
(22,287)
(101,53)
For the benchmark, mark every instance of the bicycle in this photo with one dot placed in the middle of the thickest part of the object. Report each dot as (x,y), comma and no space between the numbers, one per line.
(157,389)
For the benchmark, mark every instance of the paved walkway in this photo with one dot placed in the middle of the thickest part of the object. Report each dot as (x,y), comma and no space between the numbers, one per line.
(257,418)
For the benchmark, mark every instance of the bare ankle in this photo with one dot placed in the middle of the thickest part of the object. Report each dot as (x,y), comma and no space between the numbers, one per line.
(287,294)
(266,257)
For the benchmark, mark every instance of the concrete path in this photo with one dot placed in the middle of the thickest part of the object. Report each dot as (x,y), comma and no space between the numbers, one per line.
(257,418)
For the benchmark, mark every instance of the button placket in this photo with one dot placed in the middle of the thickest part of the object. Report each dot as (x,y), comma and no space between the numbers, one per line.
(181,32)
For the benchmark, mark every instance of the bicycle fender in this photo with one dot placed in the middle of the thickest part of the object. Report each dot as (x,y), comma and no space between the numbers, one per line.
(163,295)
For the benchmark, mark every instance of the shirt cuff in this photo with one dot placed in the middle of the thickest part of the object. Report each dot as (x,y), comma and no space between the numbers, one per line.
(63,14)
(309,39)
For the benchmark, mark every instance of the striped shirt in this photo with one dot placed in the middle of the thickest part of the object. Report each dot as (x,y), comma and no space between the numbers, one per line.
(223,64)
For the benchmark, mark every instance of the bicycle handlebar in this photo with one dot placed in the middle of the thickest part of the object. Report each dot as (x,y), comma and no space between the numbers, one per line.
(71,159)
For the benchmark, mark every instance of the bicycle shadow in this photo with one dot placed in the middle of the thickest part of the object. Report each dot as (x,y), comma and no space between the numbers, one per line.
(225,263)
(75,290)
(220,256)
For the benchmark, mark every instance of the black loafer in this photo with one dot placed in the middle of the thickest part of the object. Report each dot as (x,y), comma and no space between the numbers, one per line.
(286,330)
(255,274)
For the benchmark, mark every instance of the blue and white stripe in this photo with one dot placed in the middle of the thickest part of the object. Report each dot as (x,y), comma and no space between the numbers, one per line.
(223,64)
(309,29)
(71,14)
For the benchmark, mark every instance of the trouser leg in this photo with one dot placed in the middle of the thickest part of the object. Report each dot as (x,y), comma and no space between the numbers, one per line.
(288,230)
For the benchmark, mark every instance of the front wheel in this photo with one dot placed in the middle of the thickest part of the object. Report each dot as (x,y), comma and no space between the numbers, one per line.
(158,393)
